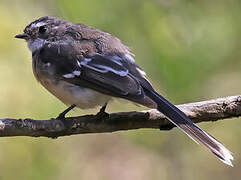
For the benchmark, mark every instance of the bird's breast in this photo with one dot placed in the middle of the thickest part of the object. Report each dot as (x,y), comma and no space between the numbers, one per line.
(69,94)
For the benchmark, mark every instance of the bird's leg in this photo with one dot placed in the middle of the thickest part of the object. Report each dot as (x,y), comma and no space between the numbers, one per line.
(62,115)
(102,112)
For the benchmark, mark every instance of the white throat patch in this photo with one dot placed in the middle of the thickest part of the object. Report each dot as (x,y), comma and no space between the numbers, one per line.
(35,44)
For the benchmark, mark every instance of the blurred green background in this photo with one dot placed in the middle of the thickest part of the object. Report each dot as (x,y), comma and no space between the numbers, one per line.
(191,51)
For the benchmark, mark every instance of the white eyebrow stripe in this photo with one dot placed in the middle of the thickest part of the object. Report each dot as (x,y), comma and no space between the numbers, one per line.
(38,24)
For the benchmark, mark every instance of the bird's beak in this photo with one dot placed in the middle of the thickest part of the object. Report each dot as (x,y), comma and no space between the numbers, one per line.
(22,36)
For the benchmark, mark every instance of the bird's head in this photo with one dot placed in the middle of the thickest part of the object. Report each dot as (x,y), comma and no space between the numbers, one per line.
(44,28)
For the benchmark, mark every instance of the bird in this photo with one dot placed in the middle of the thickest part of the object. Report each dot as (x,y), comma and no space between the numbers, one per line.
(85,67)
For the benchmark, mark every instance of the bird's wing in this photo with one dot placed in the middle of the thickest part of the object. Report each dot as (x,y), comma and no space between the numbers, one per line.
(112,75)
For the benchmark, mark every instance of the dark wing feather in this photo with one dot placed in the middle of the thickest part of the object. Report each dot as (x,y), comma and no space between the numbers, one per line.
(102,73)
(109,75)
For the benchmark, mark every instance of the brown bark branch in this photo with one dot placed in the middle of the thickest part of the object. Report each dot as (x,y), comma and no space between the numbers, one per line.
(211,110)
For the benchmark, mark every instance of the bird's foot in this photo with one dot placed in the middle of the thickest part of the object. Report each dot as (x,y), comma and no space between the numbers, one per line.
(102,114)
(62,115)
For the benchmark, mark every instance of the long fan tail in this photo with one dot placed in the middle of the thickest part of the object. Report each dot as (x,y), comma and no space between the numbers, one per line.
(178,118)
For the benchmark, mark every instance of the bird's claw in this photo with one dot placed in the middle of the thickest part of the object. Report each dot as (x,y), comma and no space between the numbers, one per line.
(102,113)
(62,115)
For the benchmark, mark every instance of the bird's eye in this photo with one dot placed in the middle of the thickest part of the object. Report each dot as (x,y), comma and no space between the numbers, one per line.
(42,29)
